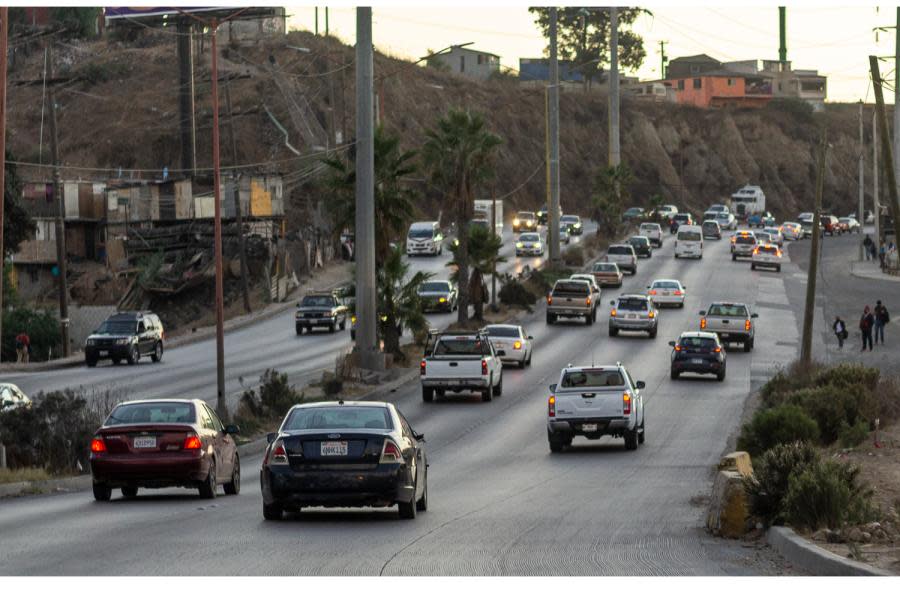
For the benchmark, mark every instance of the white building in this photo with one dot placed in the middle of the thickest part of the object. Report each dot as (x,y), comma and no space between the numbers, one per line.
(472,63)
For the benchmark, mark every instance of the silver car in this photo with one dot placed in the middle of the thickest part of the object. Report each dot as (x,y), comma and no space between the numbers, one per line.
(624,256)
(529,244)
(633,312)
(511,343)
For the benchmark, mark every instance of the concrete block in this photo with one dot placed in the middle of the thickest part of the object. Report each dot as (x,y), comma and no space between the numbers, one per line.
(729,507)
(737,461)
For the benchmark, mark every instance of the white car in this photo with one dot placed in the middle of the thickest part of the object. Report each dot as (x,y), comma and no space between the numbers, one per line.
(667,292)
(791,231)
(653,232)
(624,256)
(511,343)
(12,398)
(763,238)
(564,235)
(689,241)
(775,235)
(766,255)
(667,210)
(726,220)
(529,244)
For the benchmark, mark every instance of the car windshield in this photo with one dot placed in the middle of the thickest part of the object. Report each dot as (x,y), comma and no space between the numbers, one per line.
(745,239)
(570,288)
(435,286)
(338,417)
(689,236)
(593,378)
(421,232)
(569,218)
(152,412)
(619,250)
(504,331)
(668,285)
(604,267)
(318,301)
(464,346)
(697,343)
(118,327)
(638,241)
(632,304)
(727,310)
(530,237)
(525,215)
(710,225)
(791,225)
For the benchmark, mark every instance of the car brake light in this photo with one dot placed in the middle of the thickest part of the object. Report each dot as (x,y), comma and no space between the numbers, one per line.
(587,301)
(422,367)
(483,367)
(747,325)
(702,323)
(551,406)
(717,349)
(612,313)
(652,292)
(98,445)
(677,292)
(677,348)
(626,403)
(192,442)
(650,315)
(549,299)
(390,453)
(517,345)
(277,454)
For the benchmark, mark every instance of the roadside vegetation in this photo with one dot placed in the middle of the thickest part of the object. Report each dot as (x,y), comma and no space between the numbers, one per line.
(263,408)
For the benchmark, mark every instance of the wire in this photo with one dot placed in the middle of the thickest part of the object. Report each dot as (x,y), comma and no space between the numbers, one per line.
(539,168)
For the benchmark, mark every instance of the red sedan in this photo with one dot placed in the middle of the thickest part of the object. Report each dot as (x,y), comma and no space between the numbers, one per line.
(164,443)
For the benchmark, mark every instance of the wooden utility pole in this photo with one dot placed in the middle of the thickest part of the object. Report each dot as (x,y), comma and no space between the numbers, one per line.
(60,216)
(4,32)
(862,193)
(615,151)
(810,307)
(494,231)
(888,158)
(221,405)
(238,211)
(876,208)
(553,91)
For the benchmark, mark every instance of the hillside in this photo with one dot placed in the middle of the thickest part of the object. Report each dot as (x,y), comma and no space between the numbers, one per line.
(118,108)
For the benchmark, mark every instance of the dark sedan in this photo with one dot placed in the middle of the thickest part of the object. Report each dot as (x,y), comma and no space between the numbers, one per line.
(353,454)
(641,245)
(698,352)
(164,443)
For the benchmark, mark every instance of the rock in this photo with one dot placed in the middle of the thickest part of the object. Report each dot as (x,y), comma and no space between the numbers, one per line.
(738,462)
(855,534)
(822,535)
(872,527)
(866,537)
(729,506)
(834,537)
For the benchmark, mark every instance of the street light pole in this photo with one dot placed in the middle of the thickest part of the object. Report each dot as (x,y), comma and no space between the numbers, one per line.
(221,406)
(615,153)
(553,220)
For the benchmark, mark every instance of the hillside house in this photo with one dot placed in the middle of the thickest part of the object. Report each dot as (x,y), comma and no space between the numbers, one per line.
(476,64)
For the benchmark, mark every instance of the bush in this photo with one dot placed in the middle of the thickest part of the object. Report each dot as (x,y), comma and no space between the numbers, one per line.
(41,326)
(772,473)
(544,279)
(795,377)
(834,408)
(827,494)
(275,397)
(780,425)
(852,436)
(574,256)
(847,375)
(513,293)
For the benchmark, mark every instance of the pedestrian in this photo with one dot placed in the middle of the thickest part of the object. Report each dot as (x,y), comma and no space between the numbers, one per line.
(868,244)
(23,347)
(866,322)
(882,252)
(840,331)
(882,318)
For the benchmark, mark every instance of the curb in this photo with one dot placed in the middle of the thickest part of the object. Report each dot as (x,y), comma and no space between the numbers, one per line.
(48,486)
(816,560)
(876,276)
(404,378)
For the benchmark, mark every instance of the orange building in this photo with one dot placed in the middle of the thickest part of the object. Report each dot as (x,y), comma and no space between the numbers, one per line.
(720,89)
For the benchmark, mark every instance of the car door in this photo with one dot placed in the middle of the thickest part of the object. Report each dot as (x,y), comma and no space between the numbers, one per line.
(638,398)
(142,335)
(225,445)
(412,452)
(212,437)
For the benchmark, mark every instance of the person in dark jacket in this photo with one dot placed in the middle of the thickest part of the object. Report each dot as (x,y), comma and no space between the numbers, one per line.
(840,331)
(881,319)
(866,323)
(869,245)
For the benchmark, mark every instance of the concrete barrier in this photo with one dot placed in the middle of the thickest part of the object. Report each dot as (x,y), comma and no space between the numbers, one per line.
(814,559)
(729,508)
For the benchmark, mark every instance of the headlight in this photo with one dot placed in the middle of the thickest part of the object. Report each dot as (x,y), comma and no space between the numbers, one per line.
(122,341)
(516,222)
(537,245)
(518,244)
(442,300)
(529,223)
(353,320)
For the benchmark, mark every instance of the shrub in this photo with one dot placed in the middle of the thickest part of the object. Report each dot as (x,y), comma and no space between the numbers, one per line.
(834,408)
(545,278)
(780,425)
(573,256)
(41,326)
(513,293)
(827,494)
(847,375)
(772,472)
(275,397)
(852,436)
(794,377)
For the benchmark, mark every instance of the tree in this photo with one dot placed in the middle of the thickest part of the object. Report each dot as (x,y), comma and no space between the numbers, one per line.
(484,256)
(611,192)
(79,21)
(393,199)
(583,37)
(17,224)
(458,155)
(398,300)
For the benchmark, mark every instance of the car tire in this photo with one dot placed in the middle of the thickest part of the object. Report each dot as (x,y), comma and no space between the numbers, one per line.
(102,492)
(209,486)
(748,346)
(498,389)
(331,327)
(673,374)
(613,332)
(528,360)
(551,319)
(233,487)
(427,394)
(157,352)
(272,512)
(589,319)
(116,361)
(422,503)
(778,269)
(752,267)
(733,257)
(344,324)
(521,364)
(631,439)
(352,334)
(134,355)
(299,329)
(653,333)
(91,362)
(557,442)
(642,434)
(721,375)
(130,491)
(487,394)
(407,510)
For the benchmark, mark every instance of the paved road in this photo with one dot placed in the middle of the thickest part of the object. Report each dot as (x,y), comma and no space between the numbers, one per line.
(499,502)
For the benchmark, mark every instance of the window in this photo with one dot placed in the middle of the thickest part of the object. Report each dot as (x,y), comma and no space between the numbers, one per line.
(206,421)
(695,69)
(459,347)
(481,59)
(593,378)
(636,304)
(214,418)
(730,82)
(404,425)
(697,83)
(727,310)
(681,84)
(338,417)
(152,412)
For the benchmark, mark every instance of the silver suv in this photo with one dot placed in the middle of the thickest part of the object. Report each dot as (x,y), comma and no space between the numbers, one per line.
(633,312)
(624,256)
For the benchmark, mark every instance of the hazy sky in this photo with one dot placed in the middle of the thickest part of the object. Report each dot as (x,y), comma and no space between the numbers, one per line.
(835,40)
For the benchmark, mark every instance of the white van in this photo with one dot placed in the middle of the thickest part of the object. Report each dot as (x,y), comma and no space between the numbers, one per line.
(689,241)
(425,237)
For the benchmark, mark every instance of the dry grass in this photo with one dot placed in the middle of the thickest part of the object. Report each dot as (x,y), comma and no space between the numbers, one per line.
(17,475)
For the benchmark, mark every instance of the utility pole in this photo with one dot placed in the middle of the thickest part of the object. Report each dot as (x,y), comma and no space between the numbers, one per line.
(221,406)
(366,340)
(553,94)
(317,20)
(185,54)
(896,161)
(782,35)
(862,193)
(889,157)
(876,208)
(663,59)
(238,211)
(60,216)
(494,231)
(4,37)
(615,154)
(326,21)
(809,308)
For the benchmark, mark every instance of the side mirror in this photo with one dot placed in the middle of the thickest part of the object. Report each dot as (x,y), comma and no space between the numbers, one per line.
(553,387)
(702,313)
(298,305)
(271,437)
(684,287)
(672,344)
(612,302)
(232,429)
(640,385)
(754,316)
(419,437)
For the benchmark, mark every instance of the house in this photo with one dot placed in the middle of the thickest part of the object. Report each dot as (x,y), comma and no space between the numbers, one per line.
(476,64)
(717,89)
(805,84)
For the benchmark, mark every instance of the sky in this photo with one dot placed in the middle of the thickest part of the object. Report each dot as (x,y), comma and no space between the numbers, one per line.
(833,39)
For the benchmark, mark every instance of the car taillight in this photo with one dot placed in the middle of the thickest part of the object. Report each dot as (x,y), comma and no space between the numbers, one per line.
(192,442)
(677,292)
(390,453)
(652,292)
(587,301)
(612,313)
(551,406)
(422,367)
(626,403)
(549,299)
(277,455)
(483,367)
(702,323)
(717,349)
(677,348)
(517,345)
(98,445)
(747,325)
(650,314)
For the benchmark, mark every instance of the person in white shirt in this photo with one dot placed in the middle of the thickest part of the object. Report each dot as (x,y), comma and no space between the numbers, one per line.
(840,331)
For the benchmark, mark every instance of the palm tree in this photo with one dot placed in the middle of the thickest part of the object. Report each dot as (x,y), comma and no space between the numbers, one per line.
(484,256)
(398,300)
(457,155)
(393,199)
(611,192)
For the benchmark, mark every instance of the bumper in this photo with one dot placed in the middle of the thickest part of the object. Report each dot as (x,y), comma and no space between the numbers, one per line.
(766,264)
(570,313)
(668,300)
(384,485)
(605,426)
(457,384)
(732,336)
(169,471)
(419,250)
(704,366)
(529,251)
(316,322)
(608,281)
(632,324)
(120,352)
(512,355)
(688,252)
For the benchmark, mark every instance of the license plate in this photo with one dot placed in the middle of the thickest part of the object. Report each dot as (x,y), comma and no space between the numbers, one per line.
(145,442)
(632,316)
(589,427)
(333,449)
(324,320)
(104,353)
(697,361)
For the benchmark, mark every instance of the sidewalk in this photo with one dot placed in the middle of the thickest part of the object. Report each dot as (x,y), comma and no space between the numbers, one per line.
(869,269)
(328,277)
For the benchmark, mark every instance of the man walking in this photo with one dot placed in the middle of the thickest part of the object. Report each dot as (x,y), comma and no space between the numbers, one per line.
(882,318)
(869,245)
(866,323)
(23,347)
(840,331)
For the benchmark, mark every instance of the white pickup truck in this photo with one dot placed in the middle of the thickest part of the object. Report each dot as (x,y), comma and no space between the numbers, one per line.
(457,361)
(593,402)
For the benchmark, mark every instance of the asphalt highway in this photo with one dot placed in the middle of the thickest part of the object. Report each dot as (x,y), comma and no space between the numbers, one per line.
(499,502)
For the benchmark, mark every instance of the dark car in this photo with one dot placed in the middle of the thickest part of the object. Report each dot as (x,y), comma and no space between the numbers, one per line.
(543,215)
(321,309)
(641,245)
(344,454)
(573,222)
(634,213)
(680,219)
(126,336)
(438,295)
(698,352)
(164,443)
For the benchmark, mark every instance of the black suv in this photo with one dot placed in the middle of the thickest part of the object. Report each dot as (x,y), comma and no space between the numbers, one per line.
(126,336)
(321,309)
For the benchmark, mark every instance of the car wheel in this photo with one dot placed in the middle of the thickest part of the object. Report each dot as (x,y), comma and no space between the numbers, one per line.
(778,269)
(331,327)
(157,352)
(130,491)
(653,333)
(721,375)
(272,512)
(134,355)
(551,319)
(673,374)
(422,503)
(427,394)
(102,492)
(521,364)
(352,334)
(747,346)
(299,329)
(344,324)
(116,361)
(631,439)
(233,487)
(589,319)
(309,329)
(752,267)
(733,257)
(613,332)
(557,442)
(487,394)
(498,389)
(209,486)
(91,362)
(528,360)
(407,510)
(641,435)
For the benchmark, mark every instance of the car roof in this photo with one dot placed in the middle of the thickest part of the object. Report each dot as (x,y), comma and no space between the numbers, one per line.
(331,403)
(649,225)
(662,280)
(525,212)
(130,316)
(703,334)
(620,245)
(639,237)
(582,276)
(436,281)
(724,303)
(425,223)
(149,400)
(711,222)
(632,296)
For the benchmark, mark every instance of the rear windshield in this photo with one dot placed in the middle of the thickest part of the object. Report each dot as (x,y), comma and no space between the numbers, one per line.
(711,215)
(682,218)
(689,236)
(768,250)
(570,218)
(649,227)
(619,250)
(745,239)
(118,327)
(727,310)
(152,412)
(593,378)
(503,331)
(697,343)
(604,268)
(570,288)
(338,417)
(435,286)
(323,301)
(638,241)
(459,346)
(669,285)
(710,225)
(632,304)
